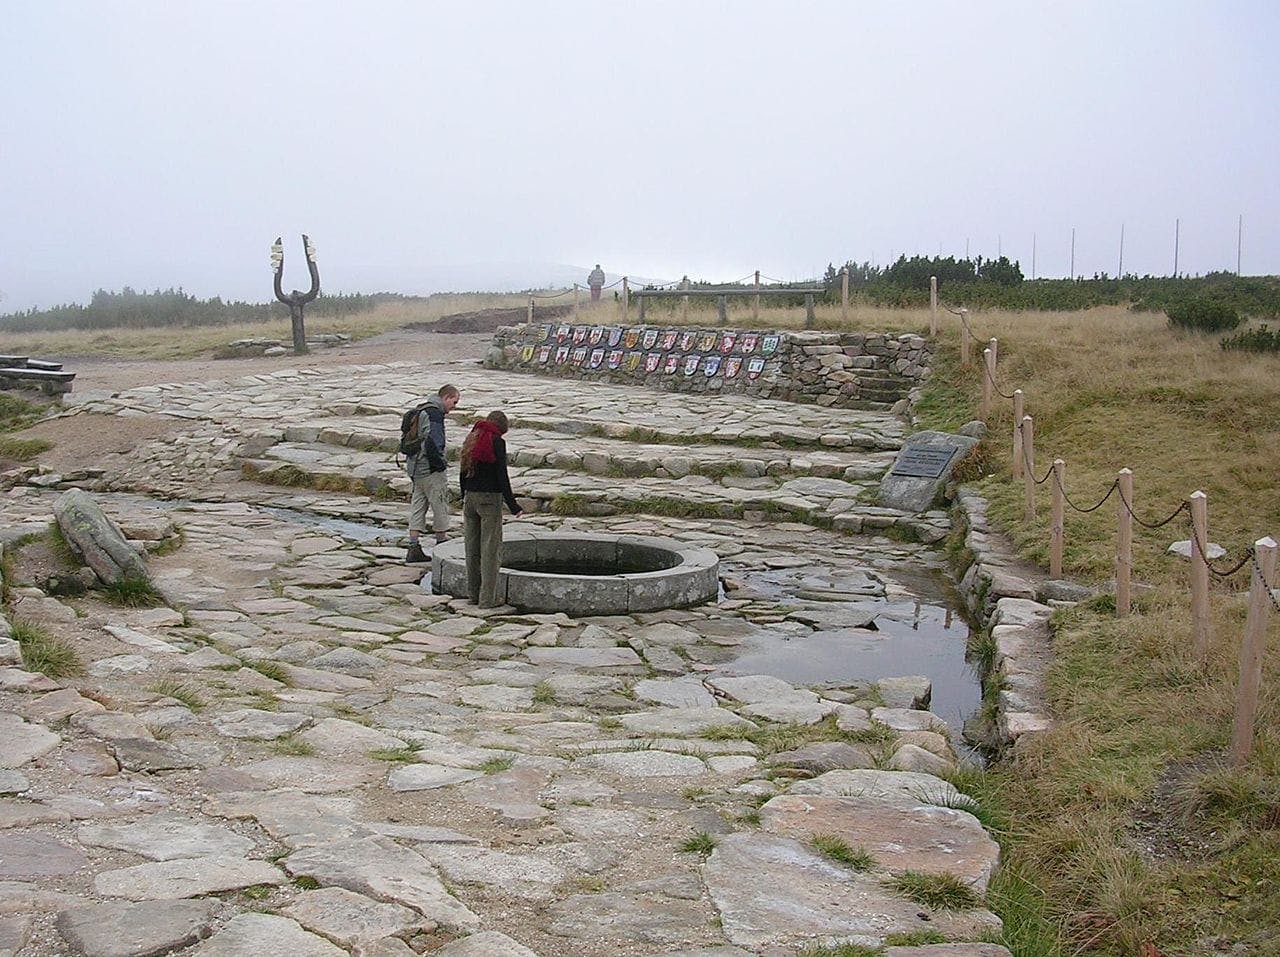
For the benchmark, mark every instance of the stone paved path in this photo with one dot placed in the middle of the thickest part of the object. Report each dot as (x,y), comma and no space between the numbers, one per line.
(306,752)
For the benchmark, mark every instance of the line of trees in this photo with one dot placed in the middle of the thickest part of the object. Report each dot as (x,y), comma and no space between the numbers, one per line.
(171,307)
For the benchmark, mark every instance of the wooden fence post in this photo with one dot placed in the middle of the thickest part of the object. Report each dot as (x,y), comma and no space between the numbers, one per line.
(755,308)
(994,345)
(1057,524)
(1255,631)
(684,305)
(625,297)
(964,338)
(1029,463)
(844,295)
(722,309)
(1124,542)
(576,292)
(987,362)
(1016,468)
(531,310)
(1199,503)
(641,300)
(808,310)
(933,306)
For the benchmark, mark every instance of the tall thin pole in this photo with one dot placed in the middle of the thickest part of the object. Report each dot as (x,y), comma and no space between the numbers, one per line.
(1239,240)
(966,247)
(1073,252)
(999,246)
(1120,268)
(1033,255)
(1177,229)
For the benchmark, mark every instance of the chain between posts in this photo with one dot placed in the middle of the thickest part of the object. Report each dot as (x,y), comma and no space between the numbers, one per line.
(1184,507)
(995,385)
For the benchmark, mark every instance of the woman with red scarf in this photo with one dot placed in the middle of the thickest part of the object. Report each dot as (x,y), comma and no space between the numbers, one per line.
(485,485)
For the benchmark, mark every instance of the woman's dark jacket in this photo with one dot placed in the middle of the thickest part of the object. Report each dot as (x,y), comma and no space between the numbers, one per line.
(491,476)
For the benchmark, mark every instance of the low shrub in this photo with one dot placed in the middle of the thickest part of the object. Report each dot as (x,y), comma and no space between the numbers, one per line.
(1261,339)
(1202,315)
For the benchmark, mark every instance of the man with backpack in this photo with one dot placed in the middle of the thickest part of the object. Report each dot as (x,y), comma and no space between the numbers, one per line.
(422,442)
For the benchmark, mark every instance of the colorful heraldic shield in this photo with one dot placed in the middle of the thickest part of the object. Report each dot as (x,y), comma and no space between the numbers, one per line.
(687,339)
(545,332)
(769,345)
(544,354)
(731,366)
(633,360)
(562,355)
(672,363)
(615,336)
(691,364)
(728,341)
(526,354)
(597,357)
(563,333)
(579,335)
(631,338)
(711,366)
(754,367)
(579,355)
(615,358)
(707,342)
(649,339)
(668,340)
(652,361)
(749,340)
(596,334)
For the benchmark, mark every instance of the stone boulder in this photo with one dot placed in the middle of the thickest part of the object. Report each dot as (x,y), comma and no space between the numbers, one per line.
(916,493)
(97,539)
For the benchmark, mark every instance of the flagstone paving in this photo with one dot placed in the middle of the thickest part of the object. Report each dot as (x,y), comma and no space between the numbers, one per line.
(307,752)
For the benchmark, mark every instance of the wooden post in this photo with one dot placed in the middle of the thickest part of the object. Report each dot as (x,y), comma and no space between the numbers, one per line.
(994,345)
(642,300)
(964,337)
(1255,631)
(531,310)
(1124,543)
(722,309)
(988,365)
(684,305)
(576,295)
(1029,463)
(1203,630)
(755,309)
(1057,524)
(626,305)
(1016,468)
(808,310)
(844,295)
(933,306)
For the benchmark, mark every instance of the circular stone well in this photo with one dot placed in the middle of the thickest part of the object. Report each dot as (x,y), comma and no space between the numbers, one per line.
(586,574)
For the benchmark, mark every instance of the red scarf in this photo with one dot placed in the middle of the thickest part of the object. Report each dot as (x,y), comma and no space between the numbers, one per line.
(485,432)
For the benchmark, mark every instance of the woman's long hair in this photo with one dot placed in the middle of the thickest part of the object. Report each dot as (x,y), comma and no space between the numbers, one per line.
(497,418)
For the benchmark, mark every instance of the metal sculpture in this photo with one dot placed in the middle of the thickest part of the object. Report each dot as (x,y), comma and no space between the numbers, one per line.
(296,299)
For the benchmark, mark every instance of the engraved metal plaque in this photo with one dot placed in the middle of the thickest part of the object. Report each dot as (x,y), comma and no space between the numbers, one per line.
(922,463)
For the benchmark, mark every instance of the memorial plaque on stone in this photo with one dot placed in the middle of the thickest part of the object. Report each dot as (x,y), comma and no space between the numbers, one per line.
(923,463)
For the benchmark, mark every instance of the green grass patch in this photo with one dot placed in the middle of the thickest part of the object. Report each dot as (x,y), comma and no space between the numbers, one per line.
(841,950)
(132,591)
(179,691)
(939,891)
(270,669)
(22,450)
(294,747)
(42,652)
(497,765)
(837,849)
(915,938)
(543,693)
(701,843)
(404,754)
(306,883)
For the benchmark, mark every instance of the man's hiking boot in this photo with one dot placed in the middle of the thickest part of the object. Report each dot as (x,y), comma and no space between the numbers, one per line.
(415,555)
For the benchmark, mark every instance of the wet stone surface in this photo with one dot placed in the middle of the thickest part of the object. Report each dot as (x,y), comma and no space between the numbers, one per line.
(322,757)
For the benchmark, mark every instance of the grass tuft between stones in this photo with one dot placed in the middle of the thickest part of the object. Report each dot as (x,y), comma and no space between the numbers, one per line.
(132,591)
(840,851)
(44,653)
(939,891)
(701,843)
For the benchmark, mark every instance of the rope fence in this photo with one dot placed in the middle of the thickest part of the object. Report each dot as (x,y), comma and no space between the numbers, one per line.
(1260,557)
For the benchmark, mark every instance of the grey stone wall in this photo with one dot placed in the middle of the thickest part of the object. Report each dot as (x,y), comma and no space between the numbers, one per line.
(842,369)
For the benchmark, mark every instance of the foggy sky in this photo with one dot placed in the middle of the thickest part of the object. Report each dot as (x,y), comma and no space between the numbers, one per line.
(424,145)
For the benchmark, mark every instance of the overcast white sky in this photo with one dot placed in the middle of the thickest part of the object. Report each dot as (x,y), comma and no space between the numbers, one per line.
(424,145)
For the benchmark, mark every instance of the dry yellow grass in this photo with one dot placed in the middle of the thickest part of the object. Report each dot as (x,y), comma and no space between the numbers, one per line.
(185,342)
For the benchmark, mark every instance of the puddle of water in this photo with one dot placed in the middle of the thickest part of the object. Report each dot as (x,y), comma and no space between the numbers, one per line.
(920,633)
(354,531)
